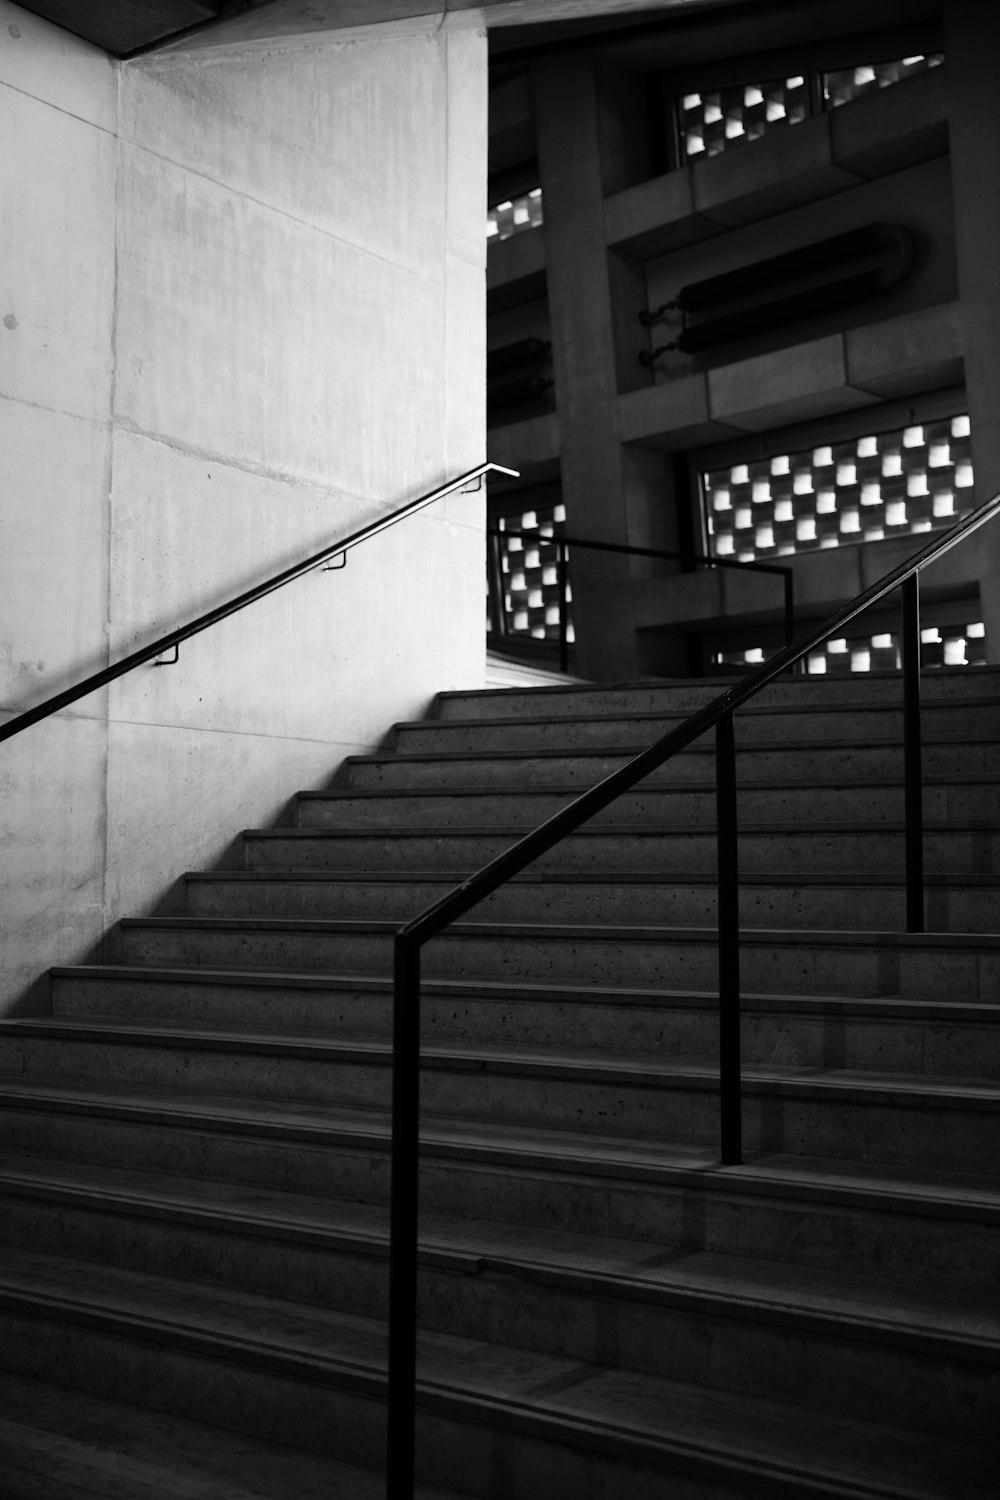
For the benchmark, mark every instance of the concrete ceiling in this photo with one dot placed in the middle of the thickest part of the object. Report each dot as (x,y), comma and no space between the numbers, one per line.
(123,27)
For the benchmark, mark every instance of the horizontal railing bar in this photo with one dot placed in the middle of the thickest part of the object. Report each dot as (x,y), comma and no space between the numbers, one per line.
(701,557)
(513,860)
(233,606)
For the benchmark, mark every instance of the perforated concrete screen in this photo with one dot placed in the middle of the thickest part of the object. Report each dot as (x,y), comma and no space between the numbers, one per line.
(514,214)
(713,120)
(940,646)
(529,567)
(885,484)
(849,83)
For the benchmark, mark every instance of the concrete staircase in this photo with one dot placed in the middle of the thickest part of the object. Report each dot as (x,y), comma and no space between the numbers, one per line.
(193,1147)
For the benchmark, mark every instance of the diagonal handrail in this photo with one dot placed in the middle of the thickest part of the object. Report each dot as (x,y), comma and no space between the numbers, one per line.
(240,601)
(409,940)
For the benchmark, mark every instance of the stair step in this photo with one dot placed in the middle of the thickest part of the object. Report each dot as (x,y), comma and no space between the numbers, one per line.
(767,762)
(648,805)
(842,1112)
(806,845)
(921,966)
(914,1036)
(685,695)
(943,1224)
(57,1443)
(538,1290)
(266,1366)
(533,728)
(847,902)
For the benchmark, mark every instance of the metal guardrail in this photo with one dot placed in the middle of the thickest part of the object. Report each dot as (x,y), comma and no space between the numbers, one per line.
(409,940)
(564,543)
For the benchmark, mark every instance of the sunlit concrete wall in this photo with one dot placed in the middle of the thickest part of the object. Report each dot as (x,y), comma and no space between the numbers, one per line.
(242,314)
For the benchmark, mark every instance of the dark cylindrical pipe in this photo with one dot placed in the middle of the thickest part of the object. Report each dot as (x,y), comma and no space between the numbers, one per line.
(778,270)
(730,1104)
(913,791)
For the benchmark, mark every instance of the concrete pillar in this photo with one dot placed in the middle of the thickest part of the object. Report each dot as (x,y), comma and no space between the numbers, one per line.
(972,45)
(592,140)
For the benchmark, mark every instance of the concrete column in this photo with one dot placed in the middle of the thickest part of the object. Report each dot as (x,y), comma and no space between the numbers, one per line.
(972,44)
(591,141)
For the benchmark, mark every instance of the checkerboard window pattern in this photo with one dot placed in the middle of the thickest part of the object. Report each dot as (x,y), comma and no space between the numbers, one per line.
(887,484)
(530,573)
(940,646)
(514,214)
(844,84)
(710,122)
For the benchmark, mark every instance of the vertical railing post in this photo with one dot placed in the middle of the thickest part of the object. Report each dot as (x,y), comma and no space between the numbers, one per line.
(729,943)
(913,785)
(789,582)
(403,1204)
(562,573)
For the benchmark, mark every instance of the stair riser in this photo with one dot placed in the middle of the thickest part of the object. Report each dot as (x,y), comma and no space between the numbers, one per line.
(777,766)
(820,967)
(605,730)
(664,808)
(461,1452)
(876,851)
(844,908)
(852,1127)
(943,1250)
(685,697)
(667,1031)
(708,1342)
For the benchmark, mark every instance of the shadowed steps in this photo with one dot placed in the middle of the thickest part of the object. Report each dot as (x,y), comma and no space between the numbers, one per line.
(194,1145)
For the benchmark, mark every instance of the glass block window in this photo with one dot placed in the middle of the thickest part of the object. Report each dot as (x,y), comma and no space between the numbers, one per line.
(849,83)
(530,574)
(940,646)
(514,214)
(712,122)
(887,484)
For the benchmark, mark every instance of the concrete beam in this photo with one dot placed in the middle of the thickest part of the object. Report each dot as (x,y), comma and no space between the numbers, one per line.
(274,19)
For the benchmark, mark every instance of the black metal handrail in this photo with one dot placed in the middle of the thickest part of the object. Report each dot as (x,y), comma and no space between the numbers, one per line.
(232,606)
(409,940)
(563,543)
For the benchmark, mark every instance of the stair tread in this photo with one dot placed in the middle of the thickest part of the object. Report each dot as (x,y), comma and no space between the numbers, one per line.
(657,788)
(578,931)
(947,1010)
(57,1443)
(962,1193)
(752,879)
(601,1404)
(799,1296)
(585,1062)
(590,751)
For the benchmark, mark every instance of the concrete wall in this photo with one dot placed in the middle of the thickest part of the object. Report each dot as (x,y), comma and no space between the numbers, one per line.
(243,314)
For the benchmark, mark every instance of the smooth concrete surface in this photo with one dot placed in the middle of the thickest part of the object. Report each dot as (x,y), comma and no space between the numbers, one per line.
(288,18)
(243,315)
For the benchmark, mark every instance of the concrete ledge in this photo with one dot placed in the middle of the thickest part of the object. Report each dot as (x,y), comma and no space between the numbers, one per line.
(919,351)
(788,385)
(893,128)
(515,269)
(523,445)
(867,138)
(656,217)
(783,170)
(670,416)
